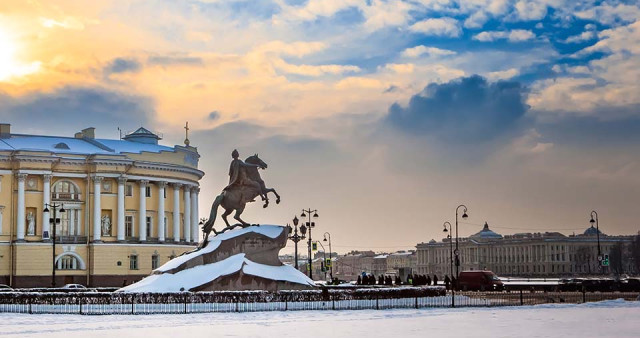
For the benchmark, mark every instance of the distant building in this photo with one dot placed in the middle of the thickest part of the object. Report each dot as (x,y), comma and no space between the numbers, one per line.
(402,263)
(130,206)
(549,254)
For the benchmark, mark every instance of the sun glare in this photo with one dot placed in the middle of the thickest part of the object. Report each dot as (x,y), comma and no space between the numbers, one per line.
(9,66)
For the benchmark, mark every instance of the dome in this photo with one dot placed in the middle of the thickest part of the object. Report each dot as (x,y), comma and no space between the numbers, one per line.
(486,233)
(592,231)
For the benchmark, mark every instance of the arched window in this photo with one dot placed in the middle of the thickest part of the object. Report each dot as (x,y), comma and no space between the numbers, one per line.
(69,261)
(65,190)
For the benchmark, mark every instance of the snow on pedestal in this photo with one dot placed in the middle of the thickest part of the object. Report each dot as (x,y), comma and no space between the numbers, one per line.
(241,259)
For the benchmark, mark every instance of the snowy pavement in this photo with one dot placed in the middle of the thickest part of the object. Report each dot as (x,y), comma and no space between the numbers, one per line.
(603,319)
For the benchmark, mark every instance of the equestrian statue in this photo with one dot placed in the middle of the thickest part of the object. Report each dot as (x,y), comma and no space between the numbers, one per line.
(244,186)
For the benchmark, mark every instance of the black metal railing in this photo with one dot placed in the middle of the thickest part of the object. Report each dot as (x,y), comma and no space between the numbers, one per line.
(248,301)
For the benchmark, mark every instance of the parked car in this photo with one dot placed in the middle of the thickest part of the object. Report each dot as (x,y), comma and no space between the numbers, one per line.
(5,288)
(479,280)
(74,286)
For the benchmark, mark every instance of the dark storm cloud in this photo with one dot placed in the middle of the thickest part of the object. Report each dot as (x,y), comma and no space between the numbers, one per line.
(70,109)
(464,110)
(122,65)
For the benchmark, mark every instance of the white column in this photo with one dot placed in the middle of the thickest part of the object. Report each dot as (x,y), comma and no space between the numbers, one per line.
(121,182)
(20,213)
(72,222)
(176,211)
(187,213)
(143,210)
(97,208)
(161,187)
(194,214)
(46,199)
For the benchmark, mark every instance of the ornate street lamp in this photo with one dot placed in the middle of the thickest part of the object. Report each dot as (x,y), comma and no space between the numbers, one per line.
(330,260)
(310,224)
(457,251)
(53,221)
(295,238)
(449,233)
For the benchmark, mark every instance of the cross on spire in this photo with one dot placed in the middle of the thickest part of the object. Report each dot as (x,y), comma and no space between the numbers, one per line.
(186,132)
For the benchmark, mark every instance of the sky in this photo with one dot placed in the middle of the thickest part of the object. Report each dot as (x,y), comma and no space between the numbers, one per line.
(382,115)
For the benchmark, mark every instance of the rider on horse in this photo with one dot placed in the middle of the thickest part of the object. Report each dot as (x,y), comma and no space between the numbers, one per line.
(238,176)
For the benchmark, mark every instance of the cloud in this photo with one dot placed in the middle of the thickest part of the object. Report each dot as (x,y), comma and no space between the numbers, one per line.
(516,35)
(584,36)
(214,115)
(530,10)
(439,27)
(465,110)
(417,51)
(71,108)
(122,65)
(169,60)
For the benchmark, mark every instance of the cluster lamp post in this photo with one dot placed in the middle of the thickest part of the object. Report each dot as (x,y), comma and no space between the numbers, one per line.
(453,293)
(295,237)
(330,260)
(54,221)
(310,224)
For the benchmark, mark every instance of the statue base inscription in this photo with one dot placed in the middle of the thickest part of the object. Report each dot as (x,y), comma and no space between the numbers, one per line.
(239,259)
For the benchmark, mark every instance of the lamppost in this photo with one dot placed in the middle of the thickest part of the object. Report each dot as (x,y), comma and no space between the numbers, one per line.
(53,221)
(310,225)
(453,293)
(330,252)
(324,254)
(598,236)
(295,238)
(457,251)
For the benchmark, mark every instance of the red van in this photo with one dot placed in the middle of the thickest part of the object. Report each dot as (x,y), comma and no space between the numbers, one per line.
(479,280)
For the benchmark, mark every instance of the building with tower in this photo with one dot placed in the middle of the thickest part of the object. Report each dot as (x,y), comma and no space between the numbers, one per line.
(548,254)
(129,204)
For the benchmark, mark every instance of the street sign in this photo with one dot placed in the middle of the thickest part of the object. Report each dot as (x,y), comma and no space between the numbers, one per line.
(600,258)
(328,263)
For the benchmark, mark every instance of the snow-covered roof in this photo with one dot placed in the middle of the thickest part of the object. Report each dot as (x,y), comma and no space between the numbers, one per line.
(72,145)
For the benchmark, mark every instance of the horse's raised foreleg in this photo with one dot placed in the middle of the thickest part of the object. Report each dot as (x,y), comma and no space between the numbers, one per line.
(268,190)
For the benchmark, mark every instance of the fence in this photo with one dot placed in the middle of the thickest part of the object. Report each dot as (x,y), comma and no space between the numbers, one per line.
(102,303)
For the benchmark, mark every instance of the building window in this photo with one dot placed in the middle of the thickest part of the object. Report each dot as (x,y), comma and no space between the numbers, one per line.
(68,262)
(166,227)
(133,262)
(165,193)
(149,227)
(128,191)
(154,261)
(128,226)
(147,191)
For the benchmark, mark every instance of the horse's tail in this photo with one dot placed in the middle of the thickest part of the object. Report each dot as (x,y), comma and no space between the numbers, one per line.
(208,226)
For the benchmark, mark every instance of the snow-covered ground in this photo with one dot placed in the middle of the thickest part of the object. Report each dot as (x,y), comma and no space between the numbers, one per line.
(604,319)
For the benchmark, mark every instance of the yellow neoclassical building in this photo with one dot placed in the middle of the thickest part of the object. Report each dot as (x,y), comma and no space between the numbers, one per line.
(129,205)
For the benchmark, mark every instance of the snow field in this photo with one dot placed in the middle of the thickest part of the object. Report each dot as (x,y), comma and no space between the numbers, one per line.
(603,319)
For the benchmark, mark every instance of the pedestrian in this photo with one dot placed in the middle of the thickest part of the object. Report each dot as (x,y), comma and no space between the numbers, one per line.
(446,281)
(428,280)
(454,283)
(359,281)
(435,280)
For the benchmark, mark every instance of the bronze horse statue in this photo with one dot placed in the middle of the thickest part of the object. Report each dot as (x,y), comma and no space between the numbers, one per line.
(236,197)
